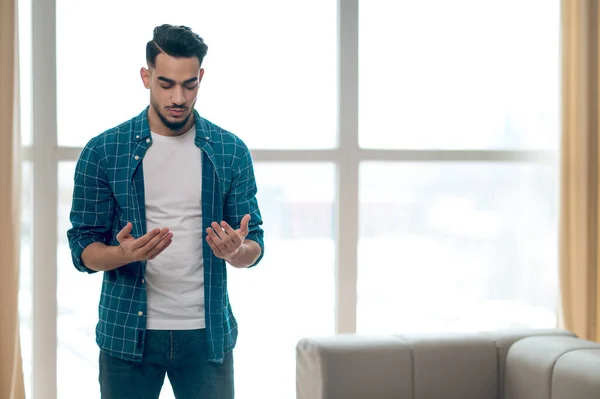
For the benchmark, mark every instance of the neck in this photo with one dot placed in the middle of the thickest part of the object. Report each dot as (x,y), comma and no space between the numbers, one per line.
(157,126)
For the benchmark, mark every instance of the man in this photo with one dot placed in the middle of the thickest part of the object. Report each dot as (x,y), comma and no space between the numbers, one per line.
(160,204)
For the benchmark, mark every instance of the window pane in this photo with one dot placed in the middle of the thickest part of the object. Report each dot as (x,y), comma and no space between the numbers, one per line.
(291,294)
(462,247)
(77,295)
(26,274)
(295,221)
(458,74)
(261,80)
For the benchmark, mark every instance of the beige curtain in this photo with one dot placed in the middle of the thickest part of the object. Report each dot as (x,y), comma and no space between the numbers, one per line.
(579,225)
(11,373)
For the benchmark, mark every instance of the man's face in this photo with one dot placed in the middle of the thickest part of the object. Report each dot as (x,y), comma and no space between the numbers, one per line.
(173,85)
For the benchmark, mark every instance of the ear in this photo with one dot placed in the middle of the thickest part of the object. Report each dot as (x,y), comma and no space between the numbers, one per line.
(145,75)
(201,74)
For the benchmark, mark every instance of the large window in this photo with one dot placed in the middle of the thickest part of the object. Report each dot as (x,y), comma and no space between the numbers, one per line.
(469,244)
(405,155)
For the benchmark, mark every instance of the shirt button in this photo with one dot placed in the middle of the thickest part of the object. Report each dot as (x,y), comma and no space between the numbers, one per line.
(207,138)
(147,140)
(142,281)
(140,313)
(137,157)
(137,137)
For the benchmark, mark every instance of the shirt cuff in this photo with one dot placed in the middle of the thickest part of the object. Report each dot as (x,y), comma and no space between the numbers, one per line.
(257,239)
(77,250)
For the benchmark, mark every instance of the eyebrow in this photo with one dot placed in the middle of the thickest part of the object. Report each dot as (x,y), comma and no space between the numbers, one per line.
(171,81)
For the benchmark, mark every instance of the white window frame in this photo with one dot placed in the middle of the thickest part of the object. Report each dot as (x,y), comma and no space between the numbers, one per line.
(45,156)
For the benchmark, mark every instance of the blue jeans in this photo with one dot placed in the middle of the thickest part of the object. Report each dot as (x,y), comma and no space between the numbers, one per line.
(182,355)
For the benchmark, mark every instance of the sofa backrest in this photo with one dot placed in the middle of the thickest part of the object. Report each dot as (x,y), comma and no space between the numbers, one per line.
(416,366)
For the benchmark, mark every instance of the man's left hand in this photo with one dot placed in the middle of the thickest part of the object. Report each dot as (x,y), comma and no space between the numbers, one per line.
(226,242)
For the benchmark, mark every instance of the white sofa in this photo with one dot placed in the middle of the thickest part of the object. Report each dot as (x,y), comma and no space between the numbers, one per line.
(507,364)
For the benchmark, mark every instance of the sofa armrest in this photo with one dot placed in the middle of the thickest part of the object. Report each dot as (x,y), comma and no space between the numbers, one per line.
(530,364)
(505,338)
(577,375)
(353,367)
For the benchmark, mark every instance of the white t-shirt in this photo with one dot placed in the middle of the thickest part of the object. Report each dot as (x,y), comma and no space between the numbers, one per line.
(173,191)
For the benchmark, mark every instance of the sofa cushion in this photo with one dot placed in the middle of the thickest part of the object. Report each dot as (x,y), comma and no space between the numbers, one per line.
(577,375)
(453,366)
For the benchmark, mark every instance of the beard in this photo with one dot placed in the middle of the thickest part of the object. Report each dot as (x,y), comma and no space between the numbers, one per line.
(174,126)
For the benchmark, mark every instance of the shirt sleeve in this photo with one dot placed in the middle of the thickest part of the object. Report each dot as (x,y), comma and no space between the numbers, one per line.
(92,208)
(241,200)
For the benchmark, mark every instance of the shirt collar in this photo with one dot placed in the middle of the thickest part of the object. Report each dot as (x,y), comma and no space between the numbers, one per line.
(141,128)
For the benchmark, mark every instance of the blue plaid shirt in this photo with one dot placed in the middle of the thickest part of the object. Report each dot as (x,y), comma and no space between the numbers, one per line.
(109,192)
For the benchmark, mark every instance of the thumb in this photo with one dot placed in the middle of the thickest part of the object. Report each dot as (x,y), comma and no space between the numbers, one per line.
(125,231)
(244,225)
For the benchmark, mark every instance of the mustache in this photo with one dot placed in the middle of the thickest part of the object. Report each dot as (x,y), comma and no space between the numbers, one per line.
(177,107)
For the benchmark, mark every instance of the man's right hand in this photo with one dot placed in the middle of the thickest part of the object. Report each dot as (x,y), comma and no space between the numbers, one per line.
(147,247)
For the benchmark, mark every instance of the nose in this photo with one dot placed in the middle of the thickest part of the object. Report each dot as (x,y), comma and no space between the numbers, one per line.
(177,97)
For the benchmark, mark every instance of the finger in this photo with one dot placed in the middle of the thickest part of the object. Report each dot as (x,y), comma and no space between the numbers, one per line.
(236,240)
(231,240)
(164,244)
(216,240)
(145,239)
(228,242)
(218,230)
(218,234)
(244,225)
(148,241)
(124,233)
(150,245)
(214,247)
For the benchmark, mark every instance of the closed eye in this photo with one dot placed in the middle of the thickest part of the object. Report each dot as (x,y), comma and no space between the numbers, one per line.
(167,83)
